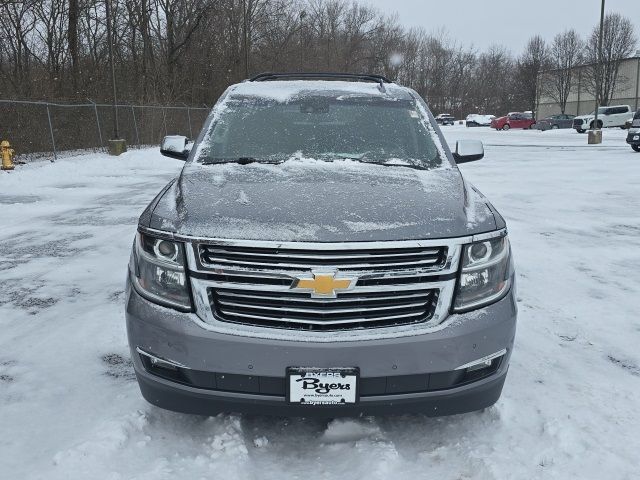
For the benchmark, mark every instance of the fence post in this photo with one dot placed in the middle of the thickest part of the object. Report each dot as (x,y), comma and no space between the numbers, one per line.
(135,125)
(53,141)
(189,118)
(164,120)
(95,109)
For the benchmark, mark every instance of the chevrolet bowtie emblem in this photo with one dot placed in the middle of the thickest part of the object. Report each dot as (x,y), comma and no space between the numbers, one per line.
(324,284)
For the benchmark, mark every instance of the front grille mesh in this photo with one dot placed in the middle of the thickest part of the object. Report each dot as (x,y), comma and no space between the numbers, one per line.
(298,311)
(253,284)
(283,259)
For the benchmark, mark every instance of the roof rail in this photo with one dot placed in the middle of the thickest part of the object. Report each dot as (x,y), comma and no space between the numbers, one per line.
(363,77)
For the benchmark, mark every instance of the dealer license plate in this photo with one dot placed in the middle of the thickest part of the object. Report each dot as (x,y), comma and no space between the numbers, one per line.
(322,386)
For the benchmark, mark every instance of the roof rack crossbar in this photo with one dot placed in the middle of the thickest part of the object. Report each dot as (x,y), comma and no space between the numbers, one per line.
(365,77)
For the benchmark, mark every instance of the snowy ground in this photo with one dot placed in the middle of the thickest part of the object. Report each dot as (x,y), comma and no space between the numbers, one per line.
(70,407)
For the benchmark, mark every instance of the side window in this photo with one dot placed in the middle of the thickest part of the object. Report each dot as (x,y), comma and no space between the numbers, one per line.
(609,111)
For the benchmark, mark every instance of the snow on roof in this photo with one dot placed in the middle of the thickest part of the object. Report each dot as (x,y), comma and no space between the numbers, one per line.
(285,90)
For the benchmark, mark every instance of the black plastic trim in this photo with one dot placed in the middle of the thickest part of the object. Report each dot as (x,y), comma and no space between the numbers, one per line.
(266,76)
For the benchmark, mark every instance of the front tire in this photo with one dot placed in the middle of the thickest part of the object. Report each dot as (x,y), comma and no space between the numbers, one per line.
(506,127)
(580,130)
(636,148)
(554,127)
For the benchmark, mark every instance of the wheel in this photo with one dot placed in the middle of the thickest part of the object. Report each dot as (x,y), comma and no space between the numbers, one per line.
(506,126)
(532,126)
(580,130)
(554,127)
(599,124)
(636,148)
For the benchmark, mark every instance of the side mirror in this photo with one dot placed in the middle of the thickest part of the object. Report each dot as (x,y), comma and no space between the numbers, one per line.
(176,146)
(468,151)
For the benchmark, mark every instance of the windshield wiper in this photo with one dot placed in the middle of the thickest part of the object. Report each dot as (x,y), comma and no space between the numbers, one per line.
(239,160)
(362,158)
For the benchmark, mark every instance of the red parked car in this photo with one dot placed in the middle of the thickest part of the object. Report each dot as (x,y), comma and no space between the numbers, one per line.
(514,120)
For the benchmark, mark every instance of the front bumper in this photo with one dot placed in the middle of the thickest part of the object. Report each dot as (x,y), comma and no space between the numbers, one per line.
(580,124)
(633,138)
(385,364)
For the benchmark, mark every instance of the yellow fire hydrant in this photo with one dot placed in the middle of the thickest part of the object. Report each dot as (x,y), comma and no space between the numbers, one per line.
(7,155)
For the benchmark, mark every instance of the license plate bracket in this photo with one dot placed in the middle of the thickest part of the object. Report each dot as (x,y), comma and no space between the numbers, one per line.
(323,386)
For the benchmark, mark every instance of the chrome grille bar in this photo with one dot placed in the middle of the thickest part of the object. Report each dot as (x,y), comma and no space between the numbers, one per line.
(304,259)
(349,321)
(320,311)
(307,299)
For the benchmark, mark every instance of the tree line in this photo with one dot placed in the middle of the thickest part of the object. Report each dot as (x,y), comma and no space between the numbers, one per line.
(189,51)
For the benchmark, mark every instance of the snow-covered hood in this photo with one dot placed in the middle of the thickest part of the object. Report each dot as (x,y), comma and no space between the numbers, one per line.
(584,118)
(480,118)
(308,200)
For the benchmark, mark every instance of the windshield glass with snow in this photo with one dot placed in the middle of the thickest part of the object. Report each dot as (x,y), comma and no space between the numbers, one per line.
(384,131)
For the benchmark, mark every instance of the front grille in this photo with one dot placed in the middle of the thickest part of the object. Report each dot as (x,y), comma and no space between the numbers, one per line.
(353,309)
(293,259)
(577,123)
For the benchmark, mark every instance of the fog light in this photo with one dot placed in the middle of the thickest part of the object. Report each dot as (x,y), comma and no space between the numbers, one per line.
(480,366)
(484,362)
(160,362)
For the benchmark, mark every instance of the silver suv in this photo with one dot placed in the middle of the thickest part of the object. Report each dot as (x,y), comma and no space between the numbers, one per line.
(321,254)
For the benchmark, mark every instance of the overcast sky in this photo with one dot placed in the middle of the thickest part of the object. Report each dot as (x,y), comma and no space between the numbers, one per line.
(507,22)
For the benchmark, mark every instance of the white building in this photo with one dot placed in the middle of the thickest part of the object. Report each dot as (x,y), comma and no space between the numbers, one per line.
(581,101)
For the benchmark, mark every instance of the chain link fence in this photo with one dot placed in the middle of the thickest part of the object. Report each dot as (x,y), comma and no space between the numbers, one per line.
(48,130)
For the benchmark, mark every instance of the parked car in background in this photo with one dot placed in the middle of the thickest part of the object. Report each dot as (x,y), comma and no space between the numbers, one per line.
(633,137)
(445,119)
(477,120)
(612,116)
(514,120)
(553,122)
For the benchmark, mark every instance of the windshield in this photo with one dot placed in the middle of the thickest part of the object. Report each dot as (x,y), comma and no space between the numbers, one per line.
(384,131)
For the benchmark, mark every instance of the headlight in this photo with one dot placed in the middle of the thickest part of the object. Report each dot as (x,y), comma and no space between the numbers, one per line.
(158,271)
(486,273)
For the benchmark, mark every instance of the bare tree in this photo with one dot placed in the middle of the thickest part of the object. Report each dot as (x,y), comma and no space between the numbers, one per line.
(191,50)
(533,60)
(72,38)
(492,90)
(618,42)
(564,55)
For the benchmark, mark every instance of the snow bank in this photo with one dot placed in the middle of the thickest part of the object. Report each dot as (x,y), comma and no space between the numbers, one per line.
(70,407)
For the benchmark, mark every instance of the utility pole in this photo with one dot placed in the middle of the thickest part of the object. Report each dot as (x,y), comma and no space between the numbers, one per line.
(107,8)
(245,39)
(116,146)
(595,134)
(637,78)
